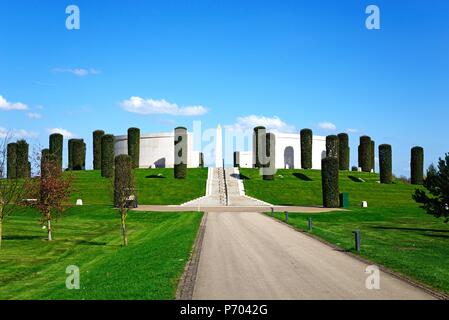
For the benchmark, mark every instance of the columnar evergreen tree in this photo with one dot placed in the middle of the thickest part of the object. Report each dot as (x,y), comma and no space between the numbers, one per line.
(359,157)
(107,156)
(373,155)
(45,157)
(329,178)
(385,163)
(78,154)
(269,167)
(12,160)
(70,151)
(343,151)
(236,160)
(23,164)
(56,142)
(306,148)
(332,146)
(201,160)
(96,139)
(417,165)
(134,146)
(180,143)
(259,136)
(365,153)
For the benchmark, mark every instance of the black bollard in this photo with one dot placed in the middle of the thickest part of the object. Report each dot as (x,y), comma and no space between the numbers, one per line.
(309,224)
(357,240)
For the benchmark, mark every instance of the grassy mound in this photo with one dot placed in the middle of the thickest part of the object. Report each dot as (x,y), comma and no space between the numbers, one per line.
(155,186)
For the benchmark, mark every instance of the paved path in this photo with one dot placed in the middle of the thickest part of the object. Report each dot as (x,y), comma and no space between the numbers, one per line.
(251,256)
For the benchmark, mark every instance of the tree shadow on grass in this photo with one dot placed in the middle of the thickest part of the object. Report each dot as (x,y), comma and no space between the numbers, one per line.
(410,229)
(18,237)
(155,176)
(239,176)
(354,179)
(302,176)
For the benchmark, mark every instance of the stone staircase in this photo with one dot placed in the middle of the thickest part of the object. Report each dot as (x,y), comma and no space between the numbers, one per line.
(224,188)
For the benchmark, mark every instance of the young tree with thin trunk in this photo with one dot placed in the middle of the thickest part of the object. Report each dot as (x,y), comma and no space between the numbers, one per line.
(51,189)
(124,192)
(10,188)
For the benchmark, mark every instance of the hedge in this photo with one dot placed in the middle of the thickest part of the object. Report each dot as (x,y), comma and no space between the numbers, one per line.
(269,166)
(417,165)
(329,180)
(306,148)
(365,153)
(56,142)
(70,150)
(107,156)
(96,141)
(23,164)
(123,179)
(332,146)
(259,133)
(134,146)
(180,167)
(343,151)
(385,163)
(12,161)
(373,155)
(78,155)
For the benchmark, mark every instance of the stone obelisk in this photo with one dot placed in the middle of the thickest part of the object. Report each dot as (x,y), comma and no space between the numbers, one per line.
(219,148)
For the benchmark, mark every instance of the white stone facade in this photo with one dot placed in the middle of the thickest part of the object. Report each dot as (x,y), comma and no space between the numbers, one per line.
(288,152)
(157,150)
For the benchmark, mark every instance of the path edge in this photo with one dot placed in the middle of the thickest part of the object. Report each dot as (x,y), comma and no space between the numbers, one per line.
(417,284)
(186,284)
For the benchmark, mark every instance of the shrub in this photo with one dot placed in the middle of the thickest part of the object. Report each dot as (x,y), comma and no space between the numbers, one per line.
(180,167)
(373,155)
(385,163)
(107,156)
(354,168)
(306,148)
(329,178)
(435,201)
(12,160)
(56,142)
(332,146)
(23,164)
(417,165)
(343,151)
(96,141)
(123,179)
(365,153)
(134,146)
(78,154)
(259,133)
(269,167)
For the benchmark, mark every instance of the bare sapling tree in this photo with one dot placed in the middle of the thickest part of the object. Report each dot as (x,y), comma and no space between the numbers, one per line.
(124,190)
(50,190)
(11,190)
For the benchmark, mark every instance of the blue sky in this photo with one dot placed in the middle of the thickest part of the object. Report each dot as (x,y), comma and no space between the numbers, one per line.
(297,63)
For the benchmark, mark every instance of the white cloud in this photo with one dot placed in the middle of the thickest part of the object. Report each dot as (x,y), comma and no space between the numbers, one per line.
(6,105)
(328,126)
(34,115)
(17,133)
(67,134)
(274,124)
(80,72)
(150,106)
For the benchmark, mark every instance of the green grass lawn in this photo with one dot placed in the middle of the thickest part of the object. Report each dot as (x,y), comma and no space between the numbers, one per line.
(395,232)
(90,238)
(154,186)
(303,187)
